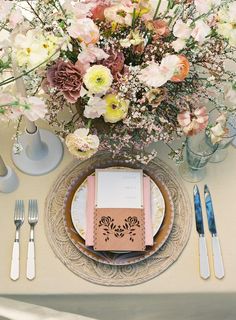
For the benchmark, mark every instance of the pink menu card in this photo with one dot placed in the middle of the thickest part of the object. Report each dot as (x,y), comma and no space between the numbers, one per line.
(89,241)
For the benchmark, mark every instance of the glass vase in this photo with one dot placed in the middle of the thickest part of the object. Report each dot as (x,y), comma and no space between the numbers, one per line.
(222,151)
(198,154)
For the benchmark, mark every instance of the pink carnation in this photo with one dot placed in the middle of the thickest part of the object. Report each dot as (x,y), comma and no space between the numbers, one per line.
(115,62)
(65,77)
(193,122)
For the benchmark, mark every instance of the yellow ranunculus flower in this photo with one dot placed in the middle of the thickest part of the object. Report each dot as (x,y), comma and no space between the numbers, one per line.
(116,109)
(98,79)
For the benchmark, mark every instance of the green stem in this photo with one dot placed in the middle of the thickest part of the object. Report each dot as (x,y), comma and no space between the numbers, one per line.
(157,10)
(89,123)
(133,18)
(62,9)
(3,27)
(35,12)
(12,79)
(11,104)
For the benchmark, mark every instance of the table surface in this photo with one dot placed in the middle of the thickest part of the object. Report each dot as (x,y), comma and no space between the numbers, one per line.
(54,278)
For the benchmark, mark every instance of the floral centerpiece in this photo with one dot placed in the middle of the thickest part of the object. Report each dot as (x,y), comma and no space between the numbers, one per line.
(119,75)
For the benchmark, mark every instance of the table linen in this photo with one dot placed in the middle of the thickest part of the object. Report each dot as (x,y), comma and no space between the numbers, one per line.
(54,278)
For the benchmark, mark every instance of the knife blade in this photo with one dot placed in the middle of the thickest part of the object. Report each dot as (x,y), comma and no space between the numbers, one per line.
(217,256)
(203,255)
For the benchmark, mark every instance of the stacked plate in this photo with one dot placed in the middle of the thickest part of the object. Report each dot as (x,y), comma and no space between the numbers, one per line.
(74,213)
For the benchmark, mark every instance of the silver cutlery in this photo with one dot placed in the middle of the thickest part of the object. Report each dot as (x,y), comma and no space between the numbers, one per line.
(217,256)
(203,255)
(32,219)
(18,220)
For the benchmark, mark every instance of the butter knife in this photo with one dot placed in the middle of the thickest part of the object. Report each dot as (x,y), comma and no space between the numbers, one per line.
(203,256)
(217,256)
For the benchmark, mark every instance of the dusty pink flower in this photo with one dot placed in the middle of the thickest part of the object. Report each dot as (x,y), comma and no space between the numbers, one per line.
(37,109)
(15,18)
(79,10)
(89,54)
(5,9)
(201,31)
(85,30)
(115,62)
(119,13)
(204,6)
(95,108)
(65,77)
(156,75)
(182,30)
(98,9)
(160,28)
(193,122)
(9,112)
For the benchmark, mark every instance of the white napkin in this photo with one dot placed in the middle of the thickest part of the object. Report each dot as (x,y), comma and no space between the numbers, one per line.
(17,310)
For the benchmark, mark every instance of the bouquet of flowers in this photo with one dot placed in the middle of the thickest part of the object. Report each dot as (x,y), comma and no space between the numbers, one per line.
(119,75)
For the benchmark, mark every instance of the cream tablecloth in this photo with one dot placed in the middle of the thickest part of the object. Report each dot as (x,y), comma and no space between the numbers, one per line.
(54,278)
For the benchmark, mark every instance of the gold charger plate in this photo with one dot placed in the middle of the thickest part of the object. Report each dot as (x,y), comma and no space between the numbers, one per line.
(112,258)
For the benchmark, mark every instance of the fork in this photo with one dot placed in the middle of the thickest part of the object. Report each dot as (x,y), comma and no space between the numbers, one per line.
(32,219)
(18,220)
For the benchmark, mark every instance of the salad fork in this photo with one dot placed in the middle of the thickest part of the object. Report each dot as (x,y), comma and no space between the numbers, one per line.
(18,220)
(32,219)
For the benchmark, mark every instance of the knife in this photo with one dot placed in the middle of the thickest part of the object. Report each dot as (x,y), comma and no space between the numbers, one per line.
(217,256)
(203,256)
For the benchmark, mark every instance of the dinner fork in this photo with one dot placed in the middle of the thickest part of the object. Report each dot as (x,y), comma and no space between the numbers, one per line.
(32,219)
(18,220)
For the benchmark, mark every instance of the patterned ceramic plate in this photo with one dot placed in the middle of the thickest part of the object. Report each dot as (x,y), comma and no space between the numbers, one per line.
(78,208)
(113,258)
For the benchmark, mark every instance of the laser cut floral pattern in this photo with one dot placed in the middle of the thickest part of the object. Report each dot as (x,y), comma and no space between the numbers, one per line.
(128,228)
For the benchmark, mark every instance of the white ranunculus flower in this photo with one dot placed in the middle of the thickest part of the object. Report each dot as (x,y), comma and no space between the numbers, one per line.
(182,30)
(200,31)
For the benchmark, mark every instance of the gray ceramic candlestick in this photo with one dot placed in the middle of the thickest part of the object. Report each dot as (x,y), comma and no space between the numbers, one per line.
(42,150)
(8,179)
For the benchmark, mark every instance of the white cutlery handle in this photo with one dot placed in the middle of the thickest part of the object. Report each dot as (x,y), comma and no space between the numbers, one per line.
(204,262)
(15,261)
(30,261)
(218,261)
